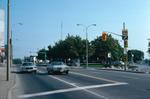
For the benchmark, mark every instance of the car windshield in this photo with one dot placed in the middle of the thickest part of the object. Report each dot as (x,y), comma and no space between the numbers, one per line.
(57,63)
(27,64)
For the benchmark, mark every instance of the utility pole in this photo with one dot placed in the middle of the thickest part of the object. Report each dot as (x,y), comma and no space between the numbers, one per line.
(8,41)
(125,38)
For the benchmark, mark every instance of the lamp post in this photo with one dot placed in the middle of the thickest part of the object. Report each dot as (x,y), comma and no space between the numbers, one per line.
(8,41)
(86,29)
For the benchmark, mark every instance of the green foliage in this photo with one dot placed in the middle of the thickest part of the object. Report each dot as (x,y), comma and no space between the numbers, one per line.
(72,47)
(101,48)
(41,54)
(17,61)
(137,55)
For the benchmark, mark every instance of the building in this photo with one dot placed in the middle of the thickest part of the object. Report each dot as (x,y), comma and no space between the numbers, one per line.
(2,48)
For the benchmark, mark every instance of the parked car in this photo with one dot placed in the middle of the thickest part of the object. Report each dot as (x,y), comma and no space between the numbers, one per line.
(28,67)
(57,67)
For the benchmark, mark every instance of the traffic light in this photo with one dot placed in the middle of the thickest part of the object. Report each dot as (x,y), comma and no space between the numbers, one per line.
(104,36)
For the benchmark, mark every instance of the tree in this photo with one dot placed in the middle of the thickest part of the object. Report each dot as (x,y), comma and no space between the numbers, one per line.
(102,48)
(42,54)
(136,55)
(72,47)
(17,61)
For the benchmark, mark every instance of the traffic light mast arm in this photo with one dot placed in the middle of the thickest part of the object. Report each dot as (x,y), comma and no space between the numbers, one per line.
(113,33)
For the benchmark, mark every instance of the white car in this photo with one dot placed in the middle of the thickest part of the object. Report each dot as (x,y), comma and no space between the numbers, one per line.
(57,67)
(28,67)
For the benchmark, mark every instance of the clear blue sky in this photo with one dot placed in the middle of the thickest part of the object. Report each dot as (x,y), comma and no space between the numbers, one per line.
(42,19)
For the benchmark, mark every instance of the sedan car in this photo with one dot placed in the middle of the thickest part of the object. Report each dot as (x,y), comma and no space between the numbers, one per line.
(57,67)
(28,67)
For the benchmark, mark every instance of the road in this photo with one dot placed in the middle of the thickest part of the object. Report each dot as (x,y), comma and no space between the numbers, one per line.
(81,83)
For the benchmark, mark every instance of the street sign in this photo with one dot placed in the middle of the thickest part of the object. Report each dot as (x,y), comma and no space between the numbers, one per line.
(109,55)
(124,34)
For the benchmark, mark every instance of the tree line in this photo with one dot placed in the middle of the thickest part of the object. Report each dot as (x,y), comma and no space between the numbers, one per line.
(74,47)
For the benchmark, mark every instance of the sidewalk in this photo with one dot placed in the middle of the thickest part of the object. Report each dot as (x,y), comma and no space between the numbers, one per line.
(5,85)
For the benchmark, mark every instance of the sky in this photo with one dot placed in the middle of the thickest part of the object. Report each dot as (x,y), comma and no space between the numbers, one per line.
(41,22)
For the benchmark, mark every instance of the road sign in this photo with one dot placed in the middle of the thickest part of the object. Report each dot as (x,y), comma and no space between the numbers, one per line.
(109,55)
(125,34)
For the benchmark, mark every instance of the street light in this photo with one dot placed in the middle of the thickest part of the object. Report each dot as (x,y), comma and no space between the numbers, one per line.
(8,41)
(86,29)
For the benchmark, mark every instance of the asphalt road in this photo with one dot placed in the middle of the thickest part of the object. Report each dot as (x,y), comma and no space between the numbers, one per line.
(81,83)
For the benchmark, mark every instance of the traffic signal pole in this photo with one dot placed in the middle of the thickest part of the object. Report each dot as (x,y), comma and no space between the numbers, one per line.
(125,38)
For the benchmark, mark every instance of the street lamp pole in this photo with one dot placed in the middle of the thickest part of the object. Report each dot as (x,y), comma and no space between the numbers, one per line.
(87,48)
(8,41)
(86,31)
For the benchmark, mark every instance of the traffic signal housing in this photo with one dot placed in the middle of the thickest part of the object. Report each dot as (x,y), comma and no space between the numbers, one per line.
(104,36)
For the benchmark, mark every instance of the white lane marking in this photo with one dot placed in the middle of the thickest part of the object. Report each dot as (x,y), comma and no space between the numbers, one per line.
(69,90)
(129,77)
(108,80)
(73,84)
(120,76)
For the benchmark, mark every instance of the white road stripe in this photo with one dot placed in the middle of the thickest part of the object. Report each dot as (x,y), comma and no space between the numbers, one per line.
(84,88)
(69,90)
(121,76)
(129,77)
(108,80)
(73,84)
